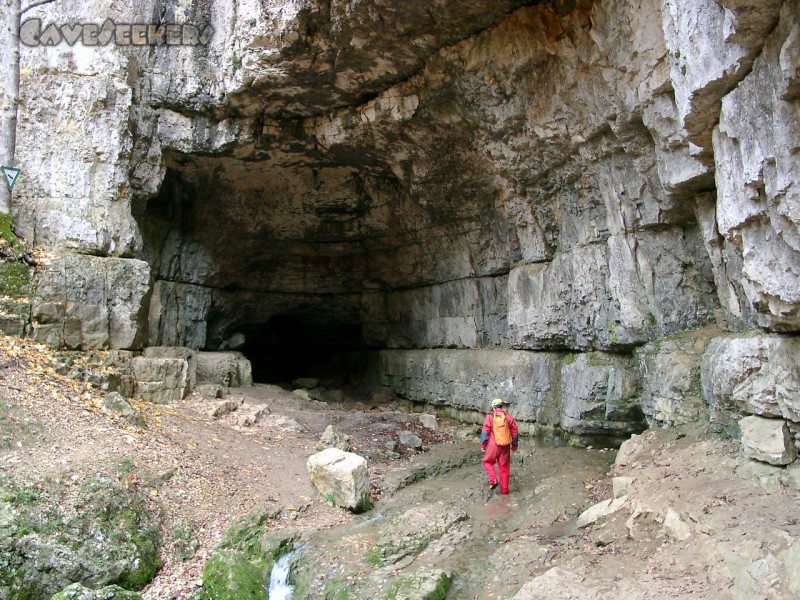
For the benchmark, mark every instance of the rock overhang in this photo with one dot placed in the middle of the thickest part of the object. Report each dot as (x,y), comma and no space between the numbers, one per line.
(526,177)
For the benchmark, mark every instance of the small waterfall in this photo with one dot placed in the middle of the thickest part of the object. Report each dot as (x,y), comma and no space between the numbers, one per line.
(279,588)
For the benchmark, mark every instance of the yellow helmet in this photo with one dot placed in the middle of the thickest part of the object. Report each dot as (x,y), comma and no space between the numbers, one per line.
(497,403)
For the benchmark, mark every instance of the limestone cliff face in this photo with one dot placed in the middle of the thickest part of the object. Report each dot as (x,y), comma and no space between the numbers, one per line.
(565,176)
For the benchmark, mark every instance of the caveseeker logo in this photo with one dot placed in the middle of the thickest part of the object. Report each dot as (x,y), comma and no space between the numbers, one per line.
(31,33)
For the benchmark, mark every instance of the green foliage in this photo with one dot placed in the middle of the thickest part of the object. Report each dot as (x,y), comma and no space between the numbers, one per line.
(14,274)
(363,506)
(373,557)
(244,559)
(107,527)
(14,279)
(23,495)
(125,467)
(228,575)
(441,589)
(9,242)
(246,536)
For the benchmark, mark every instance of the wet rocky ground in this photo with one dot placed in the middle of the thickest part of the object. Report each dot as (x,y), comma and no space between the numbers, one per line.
(685,515)
(486,544)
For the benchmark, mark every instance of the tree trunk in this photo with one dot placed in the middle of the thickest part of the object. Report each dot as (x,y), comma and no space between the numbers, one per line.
(9,91)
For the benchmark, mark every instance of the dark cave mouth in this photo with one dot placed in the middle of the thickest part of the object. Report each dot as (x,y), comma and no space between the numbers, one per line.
(290,346)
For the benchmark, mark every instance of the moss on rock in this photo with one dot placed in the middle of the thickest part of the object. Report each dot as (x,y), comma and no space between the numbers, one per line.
(120,516)
(15,279)
(10,245)
(108,536)
(76,591)
(228,575)
(423,584)
(244,559)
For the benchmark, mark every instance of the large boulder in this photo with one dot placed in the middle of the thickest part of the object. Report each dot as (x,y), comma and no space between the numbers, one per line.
(767,440)
(752,374)
(229,369)
(90,302)
(160,380)
(181,352)
(342,477)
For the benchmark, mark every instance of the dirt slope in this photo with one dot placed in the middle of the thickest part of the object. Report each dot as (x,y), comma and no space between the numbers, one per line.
(698,520)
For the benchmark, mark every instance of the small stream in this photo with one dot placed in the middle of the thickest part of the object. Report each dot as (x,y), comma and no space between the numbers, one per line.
(279,586)
(547,491)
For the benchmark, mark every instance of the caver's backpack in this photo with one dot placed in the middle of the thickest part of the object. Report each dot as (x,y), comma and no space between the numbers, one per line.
(502,435)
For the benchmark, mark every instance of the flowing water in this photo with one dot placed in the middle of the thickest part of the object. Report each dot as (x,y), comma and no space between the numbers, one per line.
(503,538)
(279,587)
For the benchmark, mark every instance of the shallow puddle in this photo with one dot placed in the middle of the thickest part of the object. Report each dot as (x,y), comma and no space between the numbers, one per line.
(503,542)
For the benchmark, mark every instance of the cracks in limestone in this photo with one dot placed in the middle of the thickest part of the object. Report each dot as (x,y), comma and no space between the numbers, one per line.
(107,304)
(476,277)
(403,79)
(708,99)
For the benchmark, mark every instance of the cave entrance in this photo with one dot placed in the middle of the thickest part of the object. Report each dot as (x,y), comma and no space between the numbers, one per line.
(312,261)
(287,347)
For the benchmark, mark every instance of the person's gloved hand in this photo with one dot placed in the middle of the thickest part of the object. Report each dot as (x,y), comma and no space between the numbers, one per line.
(514,448)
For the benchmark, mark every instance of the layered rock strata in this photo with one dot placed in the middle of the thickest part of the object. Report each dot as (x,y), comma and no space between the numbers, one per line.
(536,200)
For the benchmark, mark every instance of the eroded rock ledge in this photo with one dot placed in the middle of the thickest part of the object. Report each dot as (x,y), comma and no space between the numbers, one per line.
(448,187)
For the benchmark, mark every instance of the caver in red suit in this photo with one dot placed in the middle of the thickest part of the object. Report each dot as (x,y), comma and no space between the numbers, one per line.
(498,454)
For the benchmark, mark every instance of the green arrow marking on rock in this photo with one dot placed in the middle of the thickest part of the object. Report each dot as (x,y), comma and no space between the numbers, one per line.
(10,174)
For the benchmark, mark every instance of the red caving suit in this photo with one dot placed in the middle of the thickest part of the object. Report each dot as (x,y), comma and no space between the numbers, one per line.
(498,454)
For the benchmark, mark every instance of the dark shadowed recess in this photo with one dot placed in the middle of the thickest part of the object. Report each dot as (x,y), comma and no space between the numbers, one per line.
(289,346)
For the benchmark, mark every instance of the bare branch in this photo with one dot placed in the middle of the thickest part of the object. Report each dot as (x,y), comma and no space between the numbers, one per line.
(34,5)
